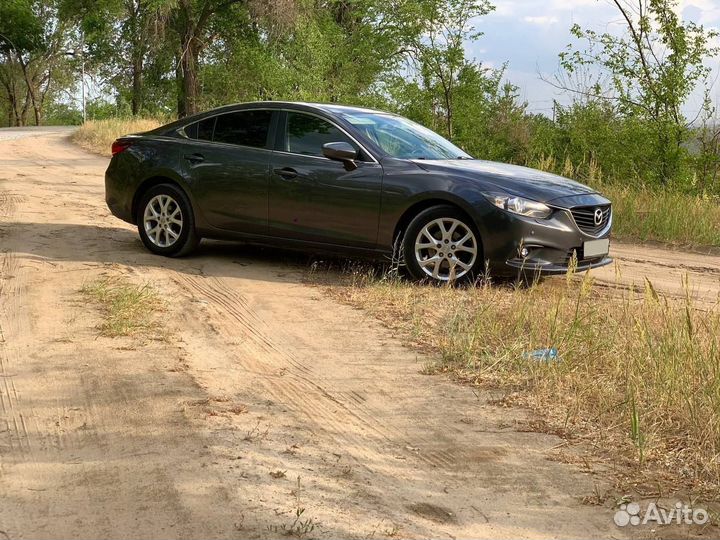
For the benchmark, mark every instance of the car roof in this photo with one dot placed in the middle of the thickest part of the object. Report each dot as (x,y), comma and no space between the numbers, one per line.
(335,108)
(328,108)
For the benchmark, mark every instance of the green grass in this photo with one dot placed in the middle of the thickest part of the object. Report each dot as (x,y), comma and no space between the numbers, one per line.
(127,309)
(638,375)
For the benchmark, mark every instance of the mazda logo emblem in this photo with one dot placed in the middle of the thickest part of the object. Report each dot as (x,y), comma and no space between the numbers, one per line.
(598,216)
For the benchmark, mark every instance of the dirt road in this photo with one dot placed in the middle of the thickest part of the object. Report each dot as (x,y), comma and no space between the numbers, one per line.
(263,382)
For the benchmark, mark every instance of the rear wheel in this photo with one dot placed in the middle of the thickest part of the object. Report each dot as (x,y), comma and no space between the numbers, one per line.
(165,221)
(443,246)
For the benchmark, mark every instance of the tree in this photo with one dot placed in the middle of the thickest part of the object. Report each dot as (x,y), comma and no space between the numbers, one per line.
(32,43)
(190,20)
(123,43)
(654,65)
(437,55)
(325,50)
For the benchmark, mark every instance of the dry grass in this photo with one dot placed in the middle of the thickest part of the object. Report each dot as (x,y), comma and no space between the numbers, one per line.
(664,216)
(127,309)
(638,375)
(98,135)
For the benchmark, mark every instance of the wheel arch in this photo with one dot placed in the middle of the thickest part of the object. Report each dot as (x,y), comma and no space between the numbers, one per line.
(414,209)
(150,183)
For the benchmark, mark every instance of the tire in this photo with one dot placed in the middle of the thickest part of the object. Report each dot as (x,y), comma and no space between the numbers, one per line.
(455,254)
(165,221)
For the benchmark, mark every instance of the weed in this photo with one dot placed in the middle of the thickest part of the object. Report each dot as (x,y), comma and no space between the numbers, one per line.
(127,309)
(300,526)
(256,433)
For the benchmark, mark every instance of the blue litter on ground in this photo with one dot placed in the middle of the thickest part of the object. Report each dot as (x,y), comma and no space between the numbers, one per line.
(543,355)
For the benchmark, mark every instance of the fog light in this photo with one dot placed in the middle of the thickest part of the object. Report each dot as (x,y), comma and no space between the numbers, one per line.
(524,252)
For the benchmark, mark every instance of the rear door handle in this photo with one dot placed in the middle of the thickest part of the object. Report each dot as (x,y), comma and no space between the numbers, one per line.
(286,172)
(195,158)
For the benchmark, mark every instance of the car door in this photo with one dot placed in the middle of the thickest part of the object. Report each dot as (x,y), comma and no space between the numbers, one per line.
(228,162)
(315,199)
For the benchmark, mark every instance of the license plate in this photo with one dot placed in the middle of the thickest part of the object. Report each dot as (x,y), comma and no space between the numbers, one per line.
(596,248)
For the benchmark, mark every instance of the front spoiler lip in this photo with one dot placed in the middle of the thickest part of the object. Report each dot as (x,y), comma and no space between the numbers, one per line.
(550,268)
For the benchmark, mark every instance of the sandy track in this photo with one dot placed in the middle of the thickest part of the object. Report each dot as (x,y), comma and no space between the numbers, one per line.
(677,274)
(117,438)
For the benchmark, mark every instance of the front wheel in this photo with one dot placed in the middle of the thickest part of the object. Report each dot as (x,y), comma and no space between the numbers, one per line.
(165,221)
(442,245)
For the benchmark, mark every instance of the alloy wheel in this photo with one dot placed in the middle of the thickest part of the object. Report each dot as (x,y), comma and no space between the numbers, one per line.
(163,221)
(446,249)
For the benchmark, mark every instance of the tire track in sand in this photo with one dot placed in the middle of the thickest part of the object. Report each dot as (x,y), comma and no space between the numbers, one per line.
(339,413)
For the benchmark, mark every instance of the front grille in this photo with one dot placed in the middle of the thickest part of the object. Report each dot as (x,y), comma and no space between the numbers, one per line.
(584,217)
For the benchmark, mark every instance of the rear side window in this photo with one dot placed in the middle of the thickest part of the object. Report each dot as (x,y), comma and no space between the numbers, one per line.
(246,128)
(202,130)
(307,134)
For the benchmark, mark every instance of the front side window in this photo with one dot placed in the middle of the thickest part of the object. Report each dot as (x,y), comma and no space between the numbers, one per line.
(307,134)
(246,128)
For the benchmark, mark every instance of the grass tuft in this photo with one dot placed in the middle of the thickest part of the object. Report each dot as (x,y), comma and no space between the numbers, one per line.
(127,309)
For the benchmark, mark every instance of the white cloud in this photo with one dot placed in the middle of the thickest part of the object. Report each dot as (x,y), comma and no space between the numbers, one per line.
(541,20)
(505,9)
(564,5)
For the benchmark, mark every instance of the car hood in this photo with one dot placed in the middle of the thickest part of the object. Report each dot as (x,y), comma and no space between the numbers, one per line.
(513,179)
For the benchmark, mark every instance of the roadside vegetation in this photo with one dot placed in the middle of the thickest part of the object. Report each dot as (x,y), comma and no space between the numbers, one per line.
(127,309)
(636,374)
(98,135)
(679,219)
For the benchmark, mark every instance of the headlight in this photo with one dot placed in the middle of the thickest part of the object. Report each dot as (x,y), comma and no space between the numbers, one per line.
(518,205)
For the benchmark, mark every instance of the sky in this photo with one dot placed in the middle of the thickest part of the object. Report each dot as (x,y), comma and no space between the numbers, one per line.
(529,35)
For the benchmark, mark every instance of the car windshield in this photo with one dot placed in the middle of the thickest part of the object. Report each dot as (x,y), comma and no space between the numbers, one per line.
(403,138)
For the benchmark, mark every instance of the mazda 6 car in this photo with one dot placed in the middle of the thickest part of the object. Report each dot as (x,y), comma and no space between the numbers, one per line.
(331,178)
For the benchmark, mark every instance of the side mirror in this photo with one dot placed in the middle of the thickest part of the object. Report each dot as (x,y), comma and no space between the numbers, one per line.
(341,151)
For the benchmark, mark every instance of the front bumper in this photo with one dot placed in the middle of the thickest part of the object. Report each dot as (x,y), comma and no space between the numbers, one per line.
(551,243)
(545,268)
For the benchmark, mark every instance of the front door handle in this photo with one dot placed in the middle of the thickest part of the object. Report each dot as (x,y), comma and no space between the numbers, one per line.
(286,172)
(195,158)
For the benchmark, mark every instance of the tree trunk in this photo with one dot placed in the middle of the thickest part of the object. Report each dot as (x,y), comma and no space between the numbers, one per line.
(137,84)
(190,28)
(37,108)
(22,119)
(189,69)
(31,98)
(12,111)
(179,84)
(448,113)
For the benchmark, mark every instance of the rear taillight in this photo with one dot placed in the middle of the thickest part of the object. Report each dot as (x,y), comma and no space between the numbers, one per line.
(120,145)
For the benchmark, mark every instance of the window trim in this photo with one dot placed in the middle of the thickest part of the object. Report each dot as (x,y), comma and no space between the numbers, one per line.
(269,142)
(284,135)
(277,129)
